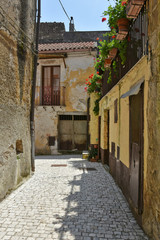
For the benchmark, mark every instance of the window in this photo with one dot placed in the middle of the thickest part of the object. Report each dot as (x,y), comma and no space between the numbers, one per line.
(51,85)
(116,111)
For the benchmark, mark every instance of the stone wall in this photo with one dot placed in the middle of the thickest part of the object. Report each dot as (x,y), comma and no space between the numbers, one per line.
(16,38)
(54,32)
(151,218)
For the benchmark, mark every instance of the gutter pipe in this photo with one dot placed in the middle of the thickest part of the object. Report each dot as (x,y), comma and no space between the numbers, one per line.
(33,88)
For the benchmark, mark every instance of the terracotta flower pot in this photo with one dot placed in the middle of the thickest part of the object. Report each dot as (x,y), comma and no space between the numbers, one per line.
(113,53)
(93,160)
(123,24)
(99,81)
(107,62)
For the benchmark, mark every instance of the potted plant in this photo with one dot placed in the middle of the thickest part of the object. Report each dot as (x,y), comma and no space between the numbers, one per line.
(93,153)
(93,83)
(117,18)
(113,53)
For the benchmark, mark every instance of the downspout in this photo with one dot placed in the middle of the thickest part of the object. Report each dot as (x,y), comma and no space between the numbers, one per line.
(33,88)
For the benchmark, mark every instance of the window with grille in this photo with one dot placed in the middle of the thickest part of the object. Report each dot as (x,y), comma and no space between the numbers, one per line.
(51,85)
(74,117)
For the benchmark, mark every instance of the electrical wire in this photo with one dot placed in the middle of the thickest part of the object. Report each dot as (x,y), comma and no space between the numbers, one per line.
(66,13)
(18,39)
(64,10)
(16,30)
(14,23)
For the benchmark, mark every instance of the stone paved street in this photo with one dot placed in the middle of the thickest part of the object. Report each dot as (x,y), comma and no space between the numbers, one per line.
(68,203)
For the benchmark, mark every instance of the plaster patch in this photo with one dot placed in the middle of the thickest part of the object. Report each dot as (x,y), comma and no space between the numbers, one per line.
(76,63)
(72,81)
(78,98)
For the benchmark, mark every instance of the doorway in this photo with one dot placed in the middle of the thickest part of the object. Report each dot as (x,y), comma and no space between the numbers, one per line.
(72,132)
(136,150)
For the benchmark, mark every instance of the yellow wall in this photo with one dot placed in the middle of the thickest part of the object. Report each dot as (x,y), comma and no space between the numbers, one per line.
(93,125)
(119,132)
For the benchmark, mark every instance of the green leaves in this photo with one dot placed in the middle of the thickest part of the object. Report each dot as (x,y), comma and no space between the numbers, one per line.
(114,13)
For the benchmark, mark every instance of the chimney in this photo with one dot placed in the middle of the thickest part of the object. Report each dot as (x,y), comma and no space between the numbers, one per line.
(71,25)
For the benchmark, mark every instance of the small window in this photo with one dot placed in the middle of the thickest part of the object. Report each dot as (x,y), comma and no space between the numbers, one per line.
(118,152)
(65,117)
(116,111)
(80,117)
(51,141)
(113,149)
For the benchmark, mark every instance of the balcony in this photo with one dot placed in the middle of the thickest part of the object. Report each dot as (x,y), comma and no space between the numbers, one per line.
(137,48)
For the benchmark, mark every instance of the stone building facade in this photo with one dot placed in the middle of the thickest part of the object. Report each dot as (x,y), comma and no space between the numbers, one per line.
(66,59)
(17,26)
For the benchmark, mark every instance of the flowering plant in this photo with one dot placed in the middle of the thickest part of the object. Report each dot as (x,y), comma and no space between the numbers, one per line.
(115,13)
(94,83)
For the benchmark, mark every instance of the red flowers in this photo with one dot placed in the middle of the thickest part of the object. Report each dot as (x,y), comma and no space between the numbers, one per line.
(97,38)
(97,72)
(113,36)
(124,3)
(91,76)
(104,19)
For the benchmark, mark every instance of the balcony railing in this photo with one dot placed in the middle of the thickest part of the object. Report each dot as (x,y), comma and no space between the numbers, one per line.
(52,97)
(136,49)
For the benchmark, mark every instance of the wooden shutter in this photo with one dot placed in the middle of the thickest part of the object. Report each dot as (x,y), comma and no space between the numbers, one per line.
(56,86)
(46,86)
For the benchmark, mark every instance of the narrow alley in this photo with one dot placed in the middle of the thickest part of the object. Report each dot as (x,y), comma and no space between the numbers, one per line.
(68,198)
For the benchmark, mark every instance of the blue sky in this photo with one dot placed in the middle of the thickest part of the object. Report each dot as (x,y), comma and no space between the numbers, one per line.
(87,14)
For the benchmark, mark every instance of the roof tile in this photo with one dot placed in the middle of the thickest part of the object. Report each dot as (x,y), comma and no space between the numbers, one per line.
(66,46)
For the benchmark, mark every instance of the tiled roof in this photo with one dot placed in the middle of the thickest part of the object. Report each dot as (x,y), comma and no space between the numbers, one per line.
(67,46)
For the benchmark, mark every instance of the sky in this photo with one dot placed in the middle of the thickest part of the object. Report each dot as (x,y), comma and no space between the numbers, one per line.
(87,14)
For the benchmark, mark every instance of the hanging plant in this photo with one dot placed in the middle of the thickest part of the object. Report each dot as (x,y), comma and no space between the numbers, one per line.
(115,13)
(96,107)
(94,84)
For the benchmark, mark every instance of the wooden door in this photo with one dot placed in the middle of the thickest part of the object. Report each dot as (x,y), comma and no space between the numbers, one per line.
(136,150)
(72,132)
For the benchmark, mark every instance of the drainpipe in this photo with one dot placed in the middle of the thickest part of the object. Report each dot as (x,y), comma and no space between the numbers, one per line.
(33,88)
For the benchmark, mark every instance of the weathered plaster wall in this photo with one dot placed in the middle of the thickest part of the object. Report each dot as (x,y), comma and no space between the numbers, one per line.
(72,82)
(119,132)
(46,125)
(151,216)
(15,77)
(93,124)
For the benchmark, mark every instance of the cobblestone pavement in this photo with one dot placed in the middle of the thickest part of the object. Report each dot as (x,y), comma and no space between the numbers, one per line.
(68,203)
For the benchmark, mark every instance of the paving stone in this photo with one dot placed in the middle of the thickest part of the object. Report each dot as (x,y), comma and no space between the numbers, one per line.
(68,204)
